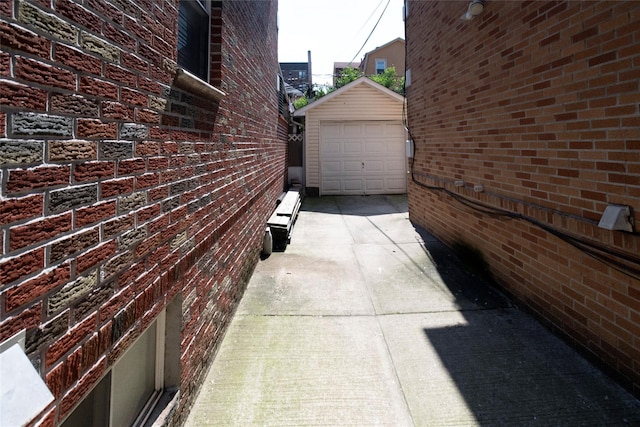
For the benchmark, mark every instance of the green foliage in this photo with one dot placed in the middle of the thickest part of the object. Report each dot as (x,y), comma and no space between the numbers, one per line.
(300,102)
(347,76)
(389,80)
(319,92)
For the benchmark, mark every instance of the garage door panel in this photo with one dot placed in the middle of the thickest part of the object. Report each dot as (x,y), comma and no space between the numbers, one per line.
(352,166)
(352,130)
(375,185)
(352,148)
(353,185)
(331,130)
(331,167)
(332,186)
(376,147)
(396,165)
(362,158)
(331,148)
(374,129)
(397,184)
(374,166)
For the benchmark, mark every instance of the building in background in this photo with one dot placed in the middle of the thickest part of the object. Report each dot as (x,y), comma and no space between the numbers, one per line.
(525,127)
(391,54)
(298,75)
(142,149)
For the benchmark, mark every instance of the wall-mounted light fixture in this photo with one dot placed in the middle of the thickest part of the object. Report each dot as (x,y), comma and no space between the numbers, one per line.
(474,9)
(617,217)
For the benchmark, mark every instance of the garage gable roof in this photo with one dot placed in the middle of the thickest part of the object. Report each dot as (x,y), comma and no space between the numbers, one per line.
(360,81)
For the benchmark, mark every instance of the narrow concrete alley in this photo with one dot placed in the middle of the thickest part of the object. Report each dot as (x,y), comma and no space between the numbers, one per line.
(365,320)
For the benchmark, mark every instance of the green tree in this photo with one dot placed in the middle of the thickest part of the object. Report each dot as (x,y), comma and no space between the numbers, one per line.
(390,80)
(347,76)
(319,92)
(300,102)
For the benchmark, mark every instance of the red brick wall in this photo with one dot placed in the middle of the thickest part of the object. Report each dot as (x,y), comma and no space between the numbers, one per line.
(538,102)
(120,190)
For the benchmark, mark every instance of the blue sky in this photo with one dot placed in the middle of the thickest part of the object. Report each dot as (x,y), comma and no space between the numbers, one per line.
(334,30)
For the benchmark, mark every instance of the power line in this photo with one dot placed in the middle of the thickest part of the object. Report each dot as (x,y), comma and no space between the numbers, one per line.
(370,16)
(371,33)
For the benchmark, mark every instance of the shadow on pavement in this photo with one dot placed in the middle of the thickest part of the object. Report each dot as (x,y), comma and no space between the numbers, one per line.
(509,369)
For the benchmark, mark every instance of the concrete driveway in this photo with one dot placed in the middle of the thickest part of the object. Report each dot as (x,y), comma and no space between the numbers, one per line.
(365,320)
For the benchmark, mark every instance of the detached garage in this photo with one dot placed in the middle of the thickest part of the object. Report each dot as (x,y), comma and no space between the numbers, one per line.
(355,141)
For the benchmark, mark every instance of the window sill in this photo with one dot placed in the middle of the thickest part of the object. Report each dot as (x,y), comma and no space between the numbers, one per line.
(187,81)
(162,413)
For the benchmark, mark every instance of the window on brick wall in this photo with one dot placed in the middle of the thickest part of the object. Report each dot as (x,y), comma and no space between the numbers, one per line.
(132,389)
(193,37)
(381,65)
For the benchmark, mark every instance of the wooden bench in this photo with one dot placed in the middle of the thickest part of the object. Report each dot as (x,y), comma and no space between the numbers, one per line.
(282,220)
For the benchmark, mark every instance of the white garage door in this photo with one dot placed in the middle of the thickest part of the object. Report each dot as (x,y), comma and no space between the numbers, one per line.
(365,157)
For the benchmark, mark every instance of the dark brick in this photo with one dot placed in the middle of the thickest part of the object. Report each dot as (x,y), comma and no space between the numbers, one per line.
(116,226)
(86,383)
(131,238)
(115,150)
(133,131)
(72,244)
(21,152)
(92,301)
(47,333)
(122,322)
(98,87)
(70,198)
(41,124)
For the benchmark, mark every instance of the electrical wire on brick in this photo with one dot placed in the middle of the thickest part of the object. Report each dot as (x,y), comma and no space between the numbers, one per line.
(614,259)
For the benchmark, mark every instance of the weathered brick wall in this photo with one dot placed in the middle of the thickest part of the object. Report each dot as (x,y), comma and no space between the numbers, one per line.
(539,103)
(120,190)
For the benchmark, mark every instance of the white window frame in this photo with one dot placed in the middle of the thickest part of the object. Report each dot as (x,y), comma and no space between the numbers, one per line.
(383,61)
